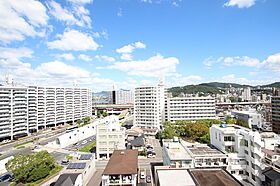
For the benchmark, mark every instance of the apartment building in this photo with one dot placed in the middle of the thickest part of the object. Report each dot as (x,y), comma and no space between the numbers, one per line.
(275,105)
(149,107)
(109,137)
(121,97)
(253,118)
(245,149)
(189,108)
(25,109)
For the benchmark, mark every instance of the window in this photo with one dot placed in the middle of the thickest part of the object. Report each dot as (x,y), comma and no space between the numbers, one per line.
(241,172)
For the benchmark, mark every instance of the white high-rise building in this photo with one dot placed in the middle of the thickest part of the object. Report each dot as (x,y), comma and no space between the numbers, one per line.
(149,107)
(246,94)
(25,109)
(190,108)
(121,97)
(246,150)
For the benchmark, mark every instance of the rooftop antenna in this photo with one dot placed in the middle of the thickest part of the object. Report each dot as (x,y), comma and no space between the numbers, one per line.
(161,81)
(75,83)
(9,79)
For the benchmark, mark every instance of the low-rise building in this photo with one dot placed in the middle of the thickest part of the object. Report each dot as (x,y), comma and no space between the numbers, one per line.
(78,172)
(177,155)
(109,137)
(121,169)
(253,118)
(166,176)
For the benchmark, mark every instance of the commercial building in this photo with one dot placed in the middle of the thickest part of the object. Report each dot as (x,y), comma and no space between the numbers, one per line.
(149,107)
(178,155)
(245,150)
(253,118)
(121,169)
(190,108)
(110,136)
(25,109)
(275,104)
(121,97)
(166,176)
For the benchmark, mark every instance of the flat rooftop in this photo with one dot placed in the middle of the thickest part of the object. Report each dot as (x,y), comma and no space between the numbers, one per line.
(176,151)
(176,177)
(122,162)
(204,150)
(217,177)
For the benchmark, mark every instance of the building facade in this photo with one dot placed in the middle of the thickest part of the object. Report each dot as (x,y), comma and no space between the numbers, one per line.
(245,149)
(121,97)
(275,104)
(253,118)
(149,107)
(109,137)
(189,108)
(25,109)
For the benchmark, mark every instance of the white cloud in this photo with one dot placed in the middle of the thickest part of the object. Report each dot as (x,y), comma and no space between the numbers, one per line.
(21,18)
(119,13)
(15,52)
(67,56)
(139,45)
(105,58)
(125,49)
(85,57)
(78,15)
(155,66)
(273,63)
(240,3)
(182,81)
(74,40)
(229,61)
(80,1)
(126,57)
(129,48)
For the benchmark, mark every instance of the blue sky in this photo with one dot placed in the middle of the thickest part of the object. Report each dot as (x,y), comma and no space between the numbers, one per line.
(127,43)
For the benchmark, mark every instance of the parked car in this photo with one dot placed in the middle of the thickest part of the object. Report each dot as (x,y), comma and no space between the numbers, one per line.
(5,177)
(148,179)
(65,162)
(142,175)
(84,142)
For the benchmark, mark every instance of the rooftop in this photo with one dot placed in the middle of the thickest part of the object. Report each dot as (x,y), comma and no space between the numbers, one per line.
(270,152)
(176,151)
(204,150)
(66,180)
(179,177)
(122,162)
(207,177)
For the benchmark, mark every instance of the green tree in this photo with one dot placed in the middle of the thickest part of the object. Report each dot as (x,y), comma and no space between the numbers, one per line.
(196,130)
(79,122)
(242,123)
(230,120)
(105,114)
(98,114)
(86,119)
(205,139)
(31,167)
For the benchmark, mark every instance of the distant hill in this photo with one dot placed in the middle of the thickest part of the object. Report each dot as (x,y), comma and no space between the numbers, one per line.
(223,85)
(193,89)
(212,88)
(276,85)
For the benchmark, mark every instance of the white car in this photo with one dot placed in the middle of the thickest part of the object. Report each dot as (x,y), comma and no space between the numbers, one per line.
(142,175)
(84,142)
